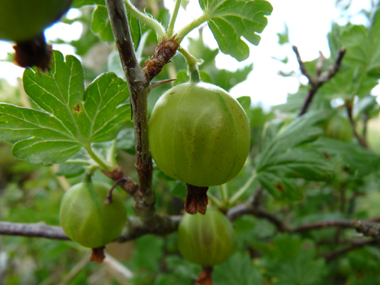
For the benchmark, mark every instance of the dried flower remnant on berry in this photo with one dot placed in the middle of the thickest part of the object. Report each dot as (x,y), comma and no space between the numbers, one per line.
(196,199)
(34,52)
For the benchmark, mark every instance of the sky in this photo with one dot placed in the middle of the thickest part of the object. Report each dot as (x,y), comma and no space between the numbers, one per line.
(308,22)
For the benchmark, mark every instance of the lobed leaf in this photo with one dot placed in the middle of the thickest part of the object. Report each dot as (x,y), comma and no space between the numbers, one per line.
(348,83)
(238,269)
(81,3)
(292,260)
(279,187)
(230,20)
(288,156)
(101,24)
(360,160)
(363,46)
(37,136)
(67,117)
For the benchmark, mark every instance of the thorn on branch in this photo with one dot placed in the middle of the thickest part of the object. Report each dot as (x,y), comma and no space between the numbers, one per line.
(159,83)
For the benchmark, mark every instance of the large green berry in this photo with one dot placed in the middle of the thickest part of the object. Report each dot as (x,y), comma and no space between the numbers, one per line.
(338,127)
(86,219)
(199,134)
(207,240)
(22,20)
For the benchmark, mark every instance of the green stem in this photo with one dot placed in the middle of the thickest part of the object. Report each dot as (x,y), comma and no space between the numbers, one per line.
(111,155)
(192,25)
(243,189)
(105,165)
(215,200)
(224,193)
(192,64)
(173,18)
(91,169)
(87,177)
(156,26)
(77,161)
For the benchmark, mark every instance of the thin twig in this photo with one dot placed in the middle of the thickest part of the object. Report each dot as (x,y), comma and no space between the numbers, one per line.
(248,208)
(317,81)
(303,68)
(352,201)
(32,230)
(160,225)
(368,228)
(134,228)
(355,245)
(349,108)
(320,64)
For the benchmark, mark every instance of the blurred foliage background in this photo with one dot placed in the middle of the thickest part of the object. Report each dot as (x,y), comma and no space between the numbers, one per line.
(31,193)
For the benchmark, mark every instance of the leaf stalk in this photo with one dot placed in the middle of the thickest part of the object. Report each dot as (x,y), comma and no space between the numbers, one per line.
(156,26)
(173,18)
(244,188)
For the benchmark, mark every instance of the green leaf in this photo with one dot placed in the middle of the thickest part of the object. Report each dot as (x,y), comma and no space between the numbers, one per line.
(37,136)
(301,162)
(355,41)
(364,105)
(105,108)
(149,251)
(237,270)
(183,77)
(294,101)
(126,141)
(230,20)
(198,49)
(68,118)
(182,269)
(101,24)
(245,102)
(280,187)
(81,3)
(334,38)
(363,46)
(288,156)
(300,131)
(227,79)
(179,190)
(292,260)
(374,47)
(283,38)
(70,170)
(360,160)
(73,169)
(348,83)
